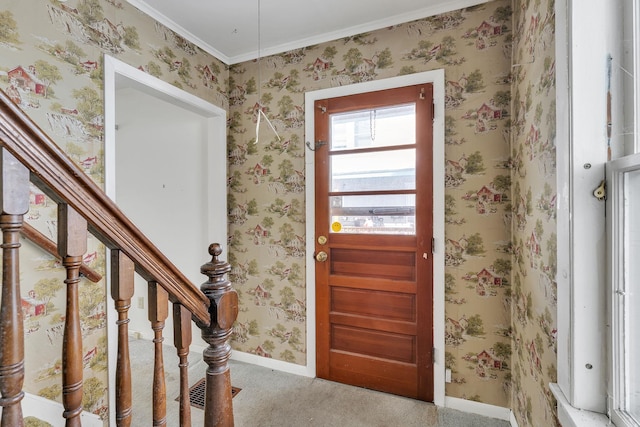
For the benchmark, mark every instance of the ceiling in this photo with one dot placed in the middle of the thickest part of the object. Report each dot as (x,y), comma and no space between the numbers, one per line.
(242,30)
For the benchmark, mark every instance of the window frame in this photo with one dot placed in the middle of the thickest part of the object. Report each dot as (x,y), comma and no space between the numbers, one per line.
(617,289)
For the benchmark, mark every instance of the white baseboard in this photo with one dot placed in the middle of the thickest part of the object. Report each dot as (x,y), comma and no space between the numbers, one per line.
(484,409)
(266,362)
(512,420)
(51,412)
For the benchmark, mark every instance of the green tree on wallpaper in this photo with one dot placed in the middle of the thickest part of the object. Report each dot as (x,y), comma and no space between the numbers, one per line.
(35,422)
(502,350)
(52,392)
(268,346)
(475,164)
(449,205)
(184,70)
(8,28)
(449,284)
(46,289)
(475,245)
(89,103)
(252,207)
(131,37)
(285,105)
(329,52)
(475,82)
(267,221)
(287,296)
(288,356)
(447,49)
(503,14)
(502,267)
(385,59)
(252,269)
(49,74)
(90,11)
(92,392)
(475,326)
(449,361)
(352,59)
(502,99)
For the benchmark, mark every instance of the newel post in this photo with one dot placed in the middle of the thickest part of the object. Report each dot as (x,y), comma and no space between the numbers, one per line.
(218,409)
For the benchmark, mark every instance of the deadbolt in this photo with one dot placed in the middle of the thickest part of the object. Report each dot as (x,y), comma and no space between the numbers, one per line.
(321,256)
(322,240)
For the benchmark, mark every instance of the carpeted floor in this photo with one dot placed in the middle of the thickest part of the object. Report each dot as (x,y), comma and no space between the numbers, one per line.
(272,398)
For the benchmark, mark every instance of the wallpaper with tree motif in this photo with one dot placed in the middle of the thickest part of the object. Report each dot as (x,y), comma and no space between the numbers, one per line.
(267,184)
(500,177)
(51,66)
(534,249)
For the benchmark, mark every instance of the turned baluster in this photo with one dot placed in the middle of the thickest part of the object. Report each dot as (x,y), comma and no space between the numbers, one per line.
(122,287)
(182,340)
(218,409)
(14,203)
(72,245)
(158,313)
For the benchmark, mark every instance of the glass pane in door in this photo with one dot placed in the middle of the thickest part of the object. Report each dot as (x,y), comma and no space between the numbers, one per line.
(372,170)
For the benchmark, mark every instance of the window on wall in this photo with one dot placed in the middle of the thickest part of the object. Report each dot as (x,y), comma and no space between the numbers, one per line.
(623,229)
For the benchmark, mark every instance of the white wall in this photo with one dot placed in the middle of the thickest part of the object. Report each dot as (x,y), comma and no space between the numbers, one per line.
(161,185)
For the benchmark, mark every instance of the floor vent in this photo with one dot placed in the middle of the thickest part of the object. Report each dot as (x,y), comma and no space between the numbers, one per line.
(197,391)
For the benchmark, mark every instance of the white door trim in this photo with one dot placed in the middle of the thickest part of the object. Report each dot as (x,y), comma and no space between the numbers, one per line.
(436,77)
(118,74)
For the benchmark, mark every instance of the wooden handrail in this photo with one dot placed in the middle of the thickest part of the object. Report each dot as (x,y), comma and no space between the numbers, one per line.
(50,247)
(64,181)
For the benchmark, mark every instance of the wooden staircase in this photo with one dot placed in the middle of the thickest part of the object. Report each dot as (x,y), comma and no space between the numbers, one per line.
(29,155)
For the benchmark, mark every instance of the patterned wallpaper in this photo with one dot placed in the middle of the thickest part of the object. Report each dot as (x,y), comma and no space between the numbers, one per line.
(51,65)
(534,259)
(500,177)
(267,199)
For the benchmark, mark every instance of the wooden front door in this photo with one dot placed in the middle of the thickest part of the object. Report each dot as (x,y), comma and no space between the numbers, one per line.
(373,242)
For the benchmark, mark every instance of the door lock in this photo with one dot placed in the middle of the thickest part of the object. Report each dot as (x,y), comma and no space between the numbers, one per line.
(601,192)
(321,256)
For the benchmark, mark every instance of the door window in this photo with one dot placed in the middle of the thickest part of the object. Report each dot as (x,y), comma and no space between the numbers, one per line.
(372,163)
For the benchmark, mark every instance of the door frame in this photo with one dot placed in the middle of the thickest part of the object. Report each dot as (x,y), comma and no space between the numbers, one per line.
(436,78)
(118,74)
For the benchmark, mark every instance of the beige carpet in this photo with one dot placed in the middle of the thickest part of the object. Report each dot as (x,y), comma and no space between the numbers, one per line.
(273,398)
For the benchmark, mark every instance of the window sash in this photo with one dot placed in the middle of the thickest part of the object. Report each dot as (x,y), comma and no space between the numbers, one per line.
(623,208)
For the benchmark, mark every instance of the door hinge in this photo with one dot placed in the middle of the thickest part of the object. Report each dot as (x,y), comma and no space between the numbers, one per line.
(433,111)
(433,356)
(433,245)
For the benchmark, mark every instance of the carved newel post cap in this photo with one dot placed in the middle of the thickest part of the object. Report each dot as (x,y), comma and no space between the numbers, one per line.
(215,267)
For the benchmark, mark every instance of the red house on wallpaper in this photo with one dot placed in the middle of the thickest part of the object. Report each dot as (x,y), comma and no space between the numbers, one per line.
(31,306)
(27,80)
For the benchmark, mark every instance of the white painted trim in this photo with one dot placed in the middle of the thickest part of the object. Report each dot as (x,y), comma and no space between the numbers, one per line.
(183,32)
(119,74)
(266,362)
(484,409)
(51,412)
(512,419)
(581,142)
(570,416)
(436,77)
(441,7)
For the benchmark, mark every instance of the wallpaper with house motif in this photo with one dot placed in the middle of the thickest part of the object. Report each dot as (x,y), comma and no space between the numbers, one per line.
(266,185)
(51,65)
(499,196)
(533,243)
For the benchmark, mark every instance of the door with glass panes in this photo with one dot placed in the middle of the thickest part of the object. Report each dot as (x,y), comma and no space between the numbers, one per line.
(373,240)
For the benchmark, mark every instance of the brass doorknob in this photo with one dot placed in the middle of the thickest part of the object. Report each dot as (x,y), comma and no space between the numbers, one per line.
(321,256)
